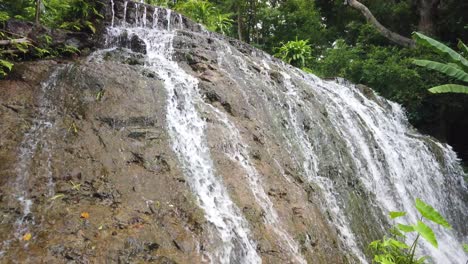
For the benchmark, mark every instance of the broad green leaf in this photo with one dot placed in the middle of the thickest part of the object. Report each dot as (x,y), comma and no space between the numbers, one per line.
(430,213)
(449,88)
(443,68)
(421,260)
(439,47)
(455,65)
(397,243)
(394,215)
(405,228)
(426,232)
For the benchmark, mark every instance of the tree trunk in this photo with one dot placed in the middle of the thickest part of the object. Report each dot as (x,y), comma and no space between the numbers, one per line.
(38,12)
(427,14)
(239,22)
(390,35)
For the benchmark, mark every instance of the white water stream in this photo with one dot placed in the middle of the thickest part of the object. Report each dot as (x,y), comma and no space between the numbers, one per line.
(187,131)
(35,143)
(395,163)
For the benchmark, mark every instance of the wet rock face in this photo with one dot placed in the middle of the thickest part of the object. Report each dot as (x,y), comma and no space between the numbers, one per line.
(86,144)
(105,153)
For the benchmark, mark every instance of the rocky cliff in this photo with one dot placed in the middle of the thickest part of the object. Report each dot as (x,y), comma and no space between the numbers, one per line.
(171,144)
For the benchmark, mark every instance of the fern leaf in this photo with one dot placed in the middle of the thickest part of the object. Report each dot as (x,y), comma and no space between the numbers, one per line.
(6,64)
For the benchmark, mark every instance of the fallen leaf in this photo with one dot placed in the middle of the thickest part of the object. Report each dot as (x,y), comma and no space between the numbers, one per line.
(84,215)
(27,237)
(60,195)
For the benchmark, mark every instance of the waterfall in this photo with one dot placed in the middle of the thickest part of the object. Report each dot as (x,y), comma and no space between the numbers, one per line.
(394,163)
(186,129)
(352,146)
(295,136)
(155,17)
(410,169)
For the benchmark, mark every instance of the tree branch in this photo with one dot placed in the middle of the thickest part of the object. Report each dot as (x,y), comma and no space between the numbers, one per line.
(14,41)
(392,36)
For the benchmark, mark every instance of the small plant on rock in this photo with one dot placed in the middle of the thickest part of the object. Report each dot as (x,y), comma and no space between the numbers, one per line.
(296,52)
(394,249)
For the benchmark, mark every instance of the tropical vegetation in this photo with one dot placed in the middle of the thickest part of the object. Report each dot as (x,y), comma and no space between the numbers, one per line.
(456,68)
(393,249)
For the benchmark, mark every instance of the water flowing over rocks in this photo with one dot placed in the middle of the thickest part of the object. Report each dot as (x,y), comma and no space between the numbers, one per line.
(171,144)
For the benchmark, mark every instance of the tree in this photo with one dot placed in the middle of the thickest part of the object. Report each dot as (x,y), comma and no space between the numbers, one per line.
(37,18)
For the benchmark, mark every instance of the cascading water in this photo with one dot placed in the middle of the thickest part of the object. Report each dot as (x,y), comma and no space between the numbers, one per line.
(187,132)
(234,147)
(413,169)
(395,164)
(368,138)
(296,136)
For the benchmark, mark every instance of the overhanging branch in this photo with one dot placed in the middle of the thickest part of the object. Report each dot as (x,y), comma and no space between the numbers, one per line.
(392,36)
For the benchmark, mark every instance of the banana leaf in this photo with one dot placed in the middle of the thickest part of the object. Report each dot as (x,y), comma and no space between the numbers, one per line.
(450,88)
(443,68)
(439,47)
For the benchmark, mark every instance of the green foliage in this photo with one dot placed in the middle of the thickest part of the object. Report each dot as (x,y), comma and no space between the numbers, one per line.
(439,47)
(430,213)
(206,13)
(465,247)
(394,250)
(405,228)
(221,23)
(5,67)
(456,69)
(296,52)
(394,215)
(4,16)
(426,232)
(448,69)
(75,15)
(449,88)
